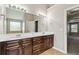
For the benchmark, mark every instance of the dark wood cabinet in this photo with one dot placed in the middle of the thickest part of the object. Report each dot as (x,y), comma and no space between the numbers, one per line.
(15,50)
(38,45)
(51,39)
(48,42)
(27,46)
(12,48)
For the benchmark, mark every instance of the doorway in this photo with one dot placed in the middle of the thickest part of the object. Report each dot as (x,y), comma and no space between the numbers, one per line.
(73,31)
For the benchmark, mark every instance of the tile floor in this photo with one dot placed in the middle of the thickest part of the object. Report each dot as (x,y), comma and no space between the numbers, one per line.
(52,52)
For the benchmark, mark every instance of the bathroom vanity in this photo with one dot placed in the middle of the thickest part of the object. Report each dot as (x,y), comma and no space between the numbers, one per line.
(24,45)
(23,33)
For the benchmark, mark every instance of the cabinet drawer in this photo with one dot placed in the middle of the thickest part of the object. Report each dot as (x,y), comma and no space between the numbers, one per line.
(37,42)
(13,51)
(28,44)
(12,43)
(37,39)
(24,41)
(39,46)
(12,48)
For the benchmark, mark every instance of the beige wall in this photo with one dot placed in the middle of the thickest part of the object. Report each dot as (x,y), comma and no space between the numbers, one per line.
(57,24)
(36,8)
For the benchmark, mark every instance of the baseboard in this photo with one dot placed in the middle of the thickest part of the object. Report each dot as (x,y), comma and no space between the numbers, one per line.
(60,50)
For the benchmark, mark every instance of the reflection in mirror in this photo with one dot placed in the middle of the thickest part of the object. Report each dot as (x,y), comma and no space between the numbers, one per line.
(30,22)
(29,26)
(36,26)
(18,21)
(14,20)
(14,26)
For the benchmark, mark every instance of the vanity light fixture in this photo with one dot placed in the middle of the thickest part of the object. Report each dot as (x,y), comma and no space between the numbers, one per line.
(14,7)
(9,5)
(22,9)
(17,7)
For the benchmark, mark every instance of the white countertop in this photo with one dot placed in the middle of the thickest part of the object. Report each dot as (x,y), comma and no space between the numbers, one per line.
(8,37)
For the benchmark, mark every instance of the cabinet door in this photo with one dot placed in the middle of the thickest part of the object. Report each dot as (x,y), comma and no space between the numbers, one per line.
(27,47)
(42,47)
(37,40)
(46,42)
(13,48)
(51,41)
(38,45)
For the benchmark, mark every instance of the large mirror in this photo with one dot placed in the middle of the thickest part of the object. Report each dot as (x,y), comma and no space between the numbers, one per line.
(21,22)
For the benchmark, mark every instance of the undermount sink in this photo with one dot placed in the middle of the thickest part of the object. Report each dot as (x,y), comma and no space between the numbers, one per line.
(43,33)
(18,35)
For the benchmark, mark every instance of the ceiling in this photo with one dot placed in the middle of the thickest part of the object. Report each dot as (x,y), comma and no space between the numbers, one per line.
(37,8)
(73,15)
(34,8)
(42,5)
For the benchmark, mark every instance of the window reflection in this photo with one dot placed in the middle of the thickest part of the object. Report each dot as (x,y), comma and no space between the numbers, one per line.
(74,28)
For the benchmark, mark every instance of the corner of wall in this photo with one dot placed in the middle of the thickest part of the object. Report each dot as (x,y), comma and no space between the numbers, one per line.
(60,50)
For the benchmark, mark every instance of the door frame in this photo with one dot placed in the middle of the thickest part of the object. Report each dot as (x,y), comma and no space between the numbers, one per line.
(65,25)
